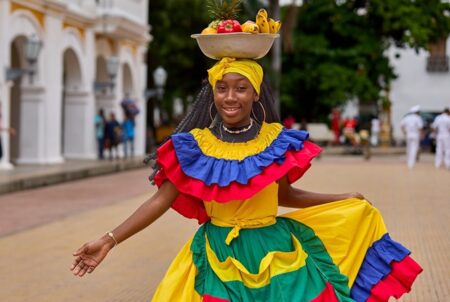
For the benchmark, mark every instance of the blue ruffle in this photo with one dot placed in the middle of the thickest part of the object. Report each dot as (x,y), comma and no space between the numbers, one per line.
(376,266)
(219,171)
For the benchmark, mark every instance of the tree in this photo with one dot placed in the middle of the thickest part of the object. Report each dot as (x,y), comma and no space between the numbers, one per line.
(173,22)
(337,52)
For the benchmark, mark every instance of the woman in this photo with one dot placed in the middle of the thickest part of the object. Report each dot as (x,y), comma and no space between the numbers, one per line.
(232,177)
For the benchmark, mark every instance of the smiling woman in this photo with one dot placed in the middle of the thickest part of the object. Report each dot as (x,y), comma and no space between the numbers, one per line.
(230,168)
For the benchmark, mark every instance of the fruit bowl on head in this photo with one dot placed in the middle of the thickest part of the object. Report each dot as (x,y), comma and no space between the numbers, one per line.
(236,45)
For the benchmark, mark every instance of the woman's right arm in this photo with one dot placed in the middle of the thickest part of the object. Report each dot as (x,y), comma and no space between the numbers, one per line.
(89,256)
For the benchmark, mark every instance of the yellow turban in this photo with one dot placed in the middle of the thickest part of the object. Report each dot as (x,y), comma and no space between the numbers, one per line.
(248,68)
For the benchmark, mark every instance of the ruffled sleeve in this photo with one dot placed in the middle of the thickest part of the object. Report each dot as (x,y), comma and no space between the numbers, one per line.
(197,163)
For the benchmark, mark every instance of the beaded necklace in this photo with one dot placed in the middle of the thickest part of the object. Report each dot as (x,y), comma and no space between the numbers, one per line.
(245,129)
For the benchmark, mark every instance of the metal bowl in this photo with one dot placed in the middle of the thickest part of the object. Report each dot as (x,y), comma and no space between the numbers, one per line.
(237,45)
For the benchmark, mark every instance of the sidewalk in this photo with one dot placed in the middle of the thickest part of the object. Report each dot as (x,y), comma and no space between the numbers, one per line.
(375,151)
(24,177)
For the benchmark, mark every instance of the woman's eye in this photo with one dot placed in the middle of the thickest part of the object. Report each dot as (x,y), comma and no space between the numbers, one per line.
(242,88)
(220,88)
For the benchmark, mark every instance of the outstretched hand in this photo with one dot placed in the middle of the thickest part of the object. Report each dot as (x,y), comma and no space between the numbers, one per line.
(358,196)
(90,255)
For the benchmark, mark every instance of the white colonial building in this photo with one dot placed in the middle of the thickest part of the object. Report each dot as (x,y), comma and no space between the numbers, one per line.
(53,108)
(423,79)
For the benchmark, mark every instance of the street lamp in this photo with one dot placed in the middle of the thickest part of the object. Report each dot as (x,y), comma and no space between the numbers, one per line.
(153,111)
(159,78)
(112,68)
(33,47)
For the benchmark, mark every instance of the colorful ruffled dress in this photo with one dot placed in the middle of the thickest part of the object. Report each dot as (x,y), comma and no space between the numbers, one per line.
(338,251)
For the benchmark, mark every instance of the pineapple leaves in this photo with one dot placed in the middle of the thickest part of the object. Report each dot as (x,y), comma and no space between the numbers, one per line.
(224,9)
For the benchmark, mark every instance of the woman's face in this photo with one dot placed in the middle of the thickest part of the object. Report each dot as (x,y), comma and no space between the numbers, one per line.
(234,96)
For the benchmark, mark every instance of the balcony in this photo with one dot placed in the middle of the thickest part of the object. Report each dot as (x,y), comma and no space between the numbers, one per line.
(123,19)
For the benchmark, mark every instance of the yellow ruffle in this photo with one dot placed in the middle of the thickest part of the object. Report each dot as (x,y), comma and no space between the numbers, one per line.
(179,281)
(347,228)
(214,147)
(273,264)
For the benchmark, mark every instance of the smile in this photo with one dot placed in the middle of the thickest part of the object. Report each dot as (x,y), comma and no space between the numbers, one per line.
(230,109)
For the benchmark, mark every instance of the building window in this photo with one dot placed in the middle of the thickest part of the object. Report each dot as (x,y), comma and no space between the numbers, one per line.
(438,59)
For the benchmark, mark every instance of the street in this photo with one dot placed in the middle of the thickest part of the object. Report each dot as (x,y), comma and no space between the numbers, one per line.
(40,228)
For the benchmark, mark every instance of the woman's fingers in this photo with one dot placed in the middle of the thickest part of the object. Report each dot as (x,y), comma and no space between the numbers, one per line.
(75,263)
(83,271)
(80,267)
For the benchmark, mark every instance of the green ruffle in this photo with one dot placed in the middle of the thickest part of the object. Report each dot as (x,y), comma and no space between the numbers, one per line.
(250,247)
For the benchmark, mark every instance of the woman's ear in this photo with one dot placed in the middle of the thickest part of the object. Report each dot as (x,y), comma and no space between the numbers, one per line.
(256,97)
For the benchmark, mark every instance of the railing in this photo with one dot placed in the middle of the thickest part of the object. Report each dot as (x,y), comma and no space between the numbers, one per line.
(132,9)
(437,64)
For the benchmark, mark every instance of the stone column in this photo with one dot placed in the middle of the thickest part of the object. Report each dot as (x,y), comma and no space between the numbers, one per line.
(89,63)
(5,61)
(53,82)
(141,82)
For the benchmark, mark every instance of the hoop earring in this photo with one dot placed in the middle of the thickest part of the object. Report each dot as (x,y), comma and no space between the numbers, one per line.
(263,111)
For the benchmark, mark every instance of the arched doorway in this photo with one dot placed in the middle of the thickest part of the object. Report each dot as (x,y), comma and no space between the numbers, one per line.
(17,61)
(72,117)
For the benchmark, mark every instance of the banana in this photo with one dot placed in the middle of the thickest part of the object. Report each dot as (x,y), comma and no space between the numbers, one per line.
(274,26)
(262,23)
(263,12)
(250,27)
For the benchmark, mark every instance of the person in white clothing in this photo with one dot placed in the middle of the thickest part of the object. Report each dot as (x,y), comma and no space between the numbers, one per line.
(441,125)
(412,126)
(374,131)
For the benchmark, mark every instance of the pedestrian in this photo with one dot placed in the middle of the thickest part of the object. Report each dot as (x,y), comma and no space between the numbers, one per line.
(113,135)
(374,131)
(129,106)
(229,165)
(336,125)
(289,122)
(350,128)
(100,122)
(441,125)
(128,135)
(412,126)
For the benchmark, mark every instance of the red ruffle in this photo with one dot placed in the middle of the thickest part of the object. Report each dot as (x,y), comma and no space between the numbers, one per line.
(208,298)
(398,282)
(327,295)
(193,191)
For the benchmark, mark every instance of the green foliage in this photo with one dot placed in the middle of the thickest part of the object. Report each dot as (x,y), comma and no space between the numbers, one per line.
(340,50)
(173,22)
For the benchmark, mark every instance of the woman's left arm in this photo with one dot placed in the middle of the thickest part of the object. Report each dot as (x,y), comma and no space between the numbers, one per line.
(291,197)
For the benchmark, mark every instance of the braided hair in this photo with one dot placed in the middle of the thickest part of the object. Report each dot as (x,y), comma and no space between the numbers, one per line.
(199,116)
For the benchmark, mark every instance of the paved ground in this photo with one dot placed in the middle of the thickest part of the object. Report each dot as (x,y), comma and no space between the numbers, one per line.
(41,227)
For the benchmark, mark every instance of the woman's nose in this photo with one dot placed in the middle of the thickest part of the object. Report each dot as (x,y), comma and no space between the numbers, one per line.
(230,96)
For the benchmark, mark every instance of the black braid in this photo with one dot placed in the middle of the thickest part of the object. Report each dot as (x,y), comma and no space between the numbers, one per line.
(199,114)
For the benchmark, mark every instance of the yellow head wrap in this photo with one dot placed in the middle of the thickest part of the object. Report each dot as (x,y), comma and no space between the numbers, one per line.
(248,68)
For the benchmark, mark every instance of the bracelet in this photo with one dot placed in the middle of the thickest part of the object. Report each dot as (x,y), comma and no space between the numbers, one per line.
(111,235)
